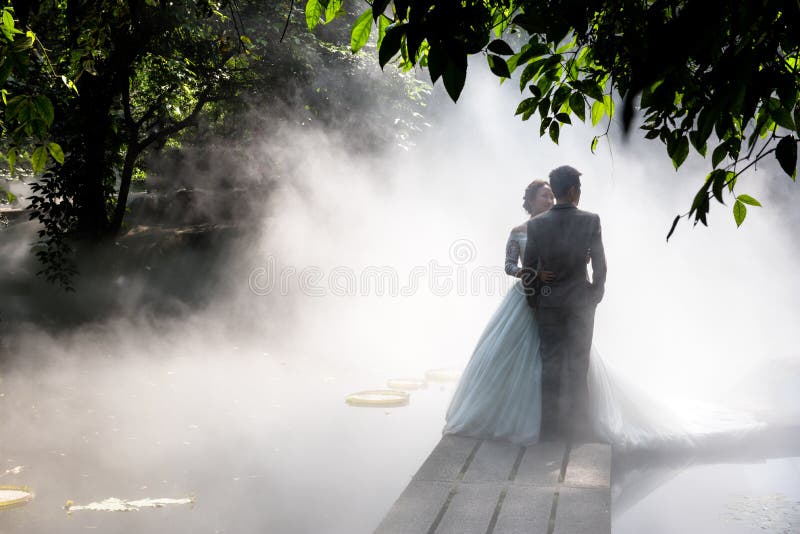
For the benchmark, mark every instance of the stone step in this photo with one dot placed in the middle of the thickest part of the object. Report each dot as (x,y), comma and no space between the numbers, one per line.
(468,485)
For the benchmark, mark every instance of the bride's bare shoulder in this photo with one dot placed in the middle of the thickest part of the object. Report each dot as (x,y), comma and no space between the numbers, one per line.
(521,228)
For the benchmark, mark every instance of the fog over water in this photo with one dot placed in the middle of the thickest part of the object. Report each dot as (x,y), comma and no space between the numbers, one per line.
(362,268)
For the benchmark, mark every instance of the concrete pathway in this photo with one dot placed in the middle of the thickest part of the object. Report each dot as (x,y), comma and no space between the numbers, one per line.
(476,486)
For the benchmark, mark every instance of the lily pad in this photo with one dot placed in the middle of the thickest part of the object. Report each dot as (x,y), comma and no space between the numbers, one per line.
(11,496)
(443,375)
(406,383)
(378,397)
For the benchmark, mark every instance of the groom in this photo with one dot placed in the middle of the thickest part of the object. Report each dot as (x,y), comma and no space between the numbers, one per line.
(563,240)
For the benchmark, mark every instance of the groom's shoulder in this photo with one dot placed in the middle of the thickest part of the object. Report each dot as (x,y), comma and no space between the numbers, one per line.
(587,214)
(534,222)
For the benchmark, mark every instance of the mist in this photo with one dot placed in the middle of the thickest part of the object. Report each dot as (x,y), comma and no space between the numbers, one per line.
(353,268)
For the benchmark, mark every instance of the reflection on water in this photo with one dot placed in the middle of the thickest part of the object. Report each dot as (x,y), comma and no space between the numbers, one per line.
(714,498)
(264,444)
(774,513)
(751,485)
(267,444)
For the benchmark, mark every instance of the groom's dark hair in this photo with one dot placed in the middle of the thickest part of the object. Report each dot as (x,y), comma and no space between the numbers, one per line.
(562,178)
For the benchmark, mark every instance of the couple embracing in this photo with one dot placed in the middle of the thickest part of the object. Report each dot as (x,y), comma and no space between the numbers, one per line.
(527,378)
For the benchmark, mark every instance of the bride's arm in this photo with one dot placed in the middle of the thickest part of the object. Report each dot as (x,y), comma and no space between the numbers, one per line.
(512,256)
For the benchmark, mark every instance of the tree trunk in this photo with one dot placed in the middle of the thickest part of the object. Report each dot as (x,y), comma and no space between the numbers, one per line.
(90,155)
(124,187)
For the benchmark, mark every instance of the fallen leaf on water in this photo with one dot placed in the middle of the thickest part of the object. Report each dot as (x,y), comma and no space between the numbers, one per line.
(13,471)
(113,504)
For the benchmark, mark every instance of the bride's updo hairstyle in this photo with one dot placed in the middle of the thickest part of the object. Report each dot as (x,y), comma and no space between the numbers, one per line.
(562,178)
(530,194)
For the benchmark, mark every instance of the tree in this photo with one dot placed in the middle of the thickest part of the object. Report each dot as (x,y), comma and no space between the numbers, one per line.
(142,71)
(111,81)
(701,74)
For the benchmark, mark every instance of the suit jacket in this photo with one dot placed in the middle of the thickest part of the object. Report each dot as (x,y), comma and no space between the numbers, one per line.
(559,240)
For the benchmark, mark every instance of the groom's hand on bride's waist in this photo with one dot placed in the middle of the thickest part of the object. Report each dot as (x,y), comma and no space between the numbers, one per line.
(547,276)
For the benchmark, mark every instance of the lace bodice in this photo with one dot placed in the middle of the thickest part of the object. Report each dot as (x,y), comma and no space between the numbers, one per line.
(515,251)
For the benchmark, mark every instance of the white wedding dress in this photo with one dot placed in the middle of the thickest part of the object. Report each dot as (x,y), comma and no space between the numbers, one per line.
(499,394)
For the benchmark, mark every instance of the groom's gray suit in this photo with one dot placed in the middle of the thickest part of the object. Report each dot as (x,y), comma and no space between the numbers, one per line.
(561,240)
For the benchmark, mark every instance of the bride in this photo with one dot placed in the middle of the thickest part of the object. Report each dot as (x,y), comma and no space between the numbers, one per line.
(499,394)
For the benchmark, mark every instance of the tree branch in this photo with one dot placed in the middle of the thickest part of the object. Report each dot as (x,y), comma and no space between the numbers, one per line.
(288,19)
(163,133)
(126,106)
(152,109)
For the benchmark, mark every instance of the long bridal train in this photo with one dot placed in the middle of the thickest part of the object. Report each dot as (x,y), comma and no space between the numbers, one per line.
(629,417)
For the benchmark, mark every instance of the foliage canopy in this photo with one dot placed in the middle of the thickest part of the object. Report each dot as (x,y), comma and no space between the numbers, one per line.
(714,76)
(89,88)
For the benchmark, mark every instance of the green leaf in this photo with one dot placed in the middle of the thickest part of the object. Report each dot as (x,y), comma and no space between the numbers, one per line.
(532,51)
(546,121)
(593,90)
(747,199)
(734,146)
(313,13)
(526,105)
(544,106)
(739,212)
(797,119)
(378,7)
(512,63)
(554,130)
(56,152)
(15,105)
(561,95)
(44,108)
(786,152)
(12,160)
(598,109)
(717,178)
(544,84)
(383,23)
(578,106)
(594,143)
(361,30)
(529,72)
(436,62)
(500,47)
(705,125)
(391,44)
(455,74)
(498,66)
(608,102)
(8,23)
(780,114)
(701,149)
(333,10)
(680,152)
(672,228)
(700,197)
(719,154)
(731,179)
(563,118)
(38,159)
(700,205)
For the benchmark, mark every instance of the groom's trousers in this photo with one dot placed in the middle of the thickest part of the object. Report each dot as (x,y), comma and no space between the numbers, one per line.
(566,340)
